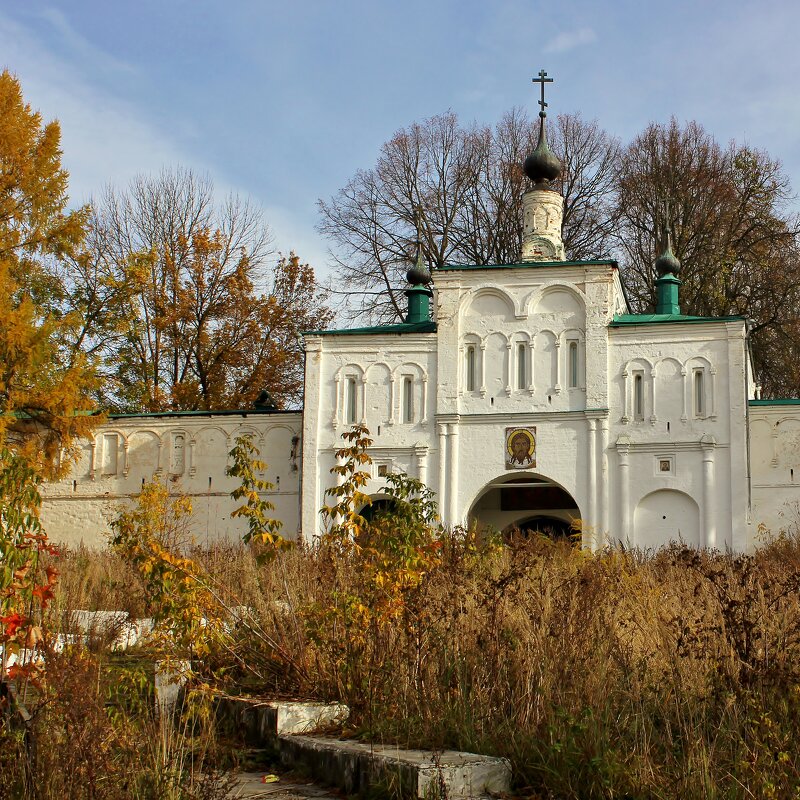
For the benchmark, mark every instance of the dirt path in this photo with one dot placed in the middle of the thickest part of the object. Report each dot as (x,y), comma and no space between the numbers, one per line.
(250,785)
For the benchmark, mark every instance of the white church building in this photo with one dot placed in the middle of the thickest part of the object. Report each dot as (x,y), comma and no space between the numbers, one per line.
(525,395)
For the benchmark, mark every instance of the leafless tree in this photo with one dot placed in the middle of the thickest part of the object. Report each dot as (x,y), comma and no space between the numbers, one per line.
(468,183)
(732,226)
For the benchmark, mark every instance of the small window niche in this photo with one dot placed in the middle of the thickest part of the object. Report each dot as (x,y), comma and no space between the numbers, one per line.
(699,402)
(408,399)
(177,459)
(572,365)
(110,453)
(470,367)
(638,395)
(350,401)
(522,366)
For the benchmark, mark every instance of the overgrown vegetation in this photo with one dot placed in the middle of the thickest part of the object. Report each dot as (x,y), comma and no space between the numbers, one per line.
(620,674)
(673,675)
(74,721)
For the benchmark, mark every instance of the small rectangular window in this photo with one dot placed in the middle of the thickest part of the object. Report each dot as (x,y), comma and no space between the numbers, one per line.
(573,365)
(638,395)
(470,368)
(350,401)
(699,394)
(522,366)
(408,399)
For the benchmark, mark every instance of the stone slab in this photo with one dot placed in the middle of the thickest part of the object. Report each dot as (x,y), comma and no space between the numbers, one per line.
(357,768)
(262,722)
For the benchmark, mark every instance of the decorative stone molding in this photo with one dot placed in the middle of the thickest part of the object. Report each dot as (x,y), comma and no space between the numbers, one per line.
(543,213)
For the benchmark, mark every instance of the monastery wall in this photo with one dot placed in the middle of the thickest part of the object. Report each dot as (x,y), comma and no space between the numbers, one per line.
(775,466)
(189,453)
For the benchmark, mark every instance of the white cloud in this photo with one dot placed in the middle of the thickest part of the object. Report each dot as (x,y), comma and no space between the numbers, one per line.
(81,47)
(569,40)
(103,138)
(108,139)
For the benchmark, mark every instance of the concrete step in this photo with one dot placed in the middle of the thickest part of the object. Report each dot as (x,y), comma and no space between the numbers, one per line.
(358,768)
(261,722)
(289,729)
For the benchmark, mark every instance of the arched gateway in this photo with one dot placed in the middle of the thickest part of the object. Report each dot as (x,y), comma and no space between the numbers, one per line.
(527,501)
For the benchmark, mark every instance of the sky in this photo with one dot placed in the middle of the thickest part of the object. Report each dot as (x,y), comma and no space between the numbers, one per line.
(283,102)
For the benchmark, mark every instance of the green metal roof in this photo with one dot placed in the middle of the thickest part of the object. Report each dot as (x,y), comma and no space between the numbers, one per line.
(228,412)
(528,265)
(620,320)
(400,327)
(788,401)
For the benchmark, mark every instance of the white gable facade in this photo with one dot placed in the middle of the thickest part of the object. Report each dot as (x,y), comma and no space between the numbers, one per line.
(640,430)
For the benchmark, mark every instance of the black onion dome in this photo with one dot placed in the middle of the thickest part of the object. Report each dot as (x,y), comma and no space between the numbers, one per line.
(542,166)
(419,274)
(668,263)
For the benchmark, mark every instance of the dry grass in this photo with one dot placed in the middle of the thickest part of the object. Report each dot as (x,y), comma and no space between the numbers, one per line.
(609,676)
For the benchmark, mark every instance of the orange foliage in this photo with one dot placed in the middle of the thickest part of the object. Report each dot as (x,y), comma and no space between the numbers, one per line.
(44,384)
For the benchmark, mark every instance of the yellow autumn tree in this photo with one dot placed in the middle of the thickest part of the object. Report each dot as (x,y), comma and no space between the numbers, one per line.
(45,384)
(204,316)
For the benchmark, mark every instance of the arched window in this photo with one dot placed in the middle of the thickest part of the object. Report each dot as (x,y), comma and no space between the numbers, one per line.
(522,366)
(638,396)
(408,399)
(351,396)
(572,366)
(470,368)
(699,393)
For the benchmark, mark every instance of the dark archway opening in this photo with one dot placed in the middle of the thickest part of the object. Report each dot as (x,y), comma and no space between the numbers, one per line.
(526,504)
(380,506)
(552,527)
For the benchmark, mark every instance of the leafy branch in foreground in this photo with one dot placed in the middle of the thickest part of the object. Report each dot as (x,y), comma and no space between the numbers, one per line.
(24,592)
(196,616)
(262,528)
(343,515)
(150,537)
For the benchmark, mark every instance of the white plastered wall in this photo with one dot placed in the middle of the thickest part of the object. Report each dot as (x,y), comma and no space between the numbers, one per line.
(678,472)
(189,453)
(775,468)
(379,365)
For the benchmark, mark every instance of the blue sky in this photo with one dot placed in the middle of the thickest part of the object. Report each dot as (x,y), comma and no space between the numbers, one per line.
(284,101)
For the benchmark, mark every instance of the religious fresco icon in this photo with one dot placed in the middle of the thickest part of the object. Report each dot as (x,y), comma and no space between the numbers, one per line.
(520,448)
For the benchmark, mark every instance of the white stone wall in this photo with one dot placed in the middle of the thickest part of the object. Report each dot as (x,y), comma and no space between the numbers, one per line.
(678,467)
(189,452)
(495,310)
(775,468)
(644,426)
(457,446)
(675,467)
(378,365)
